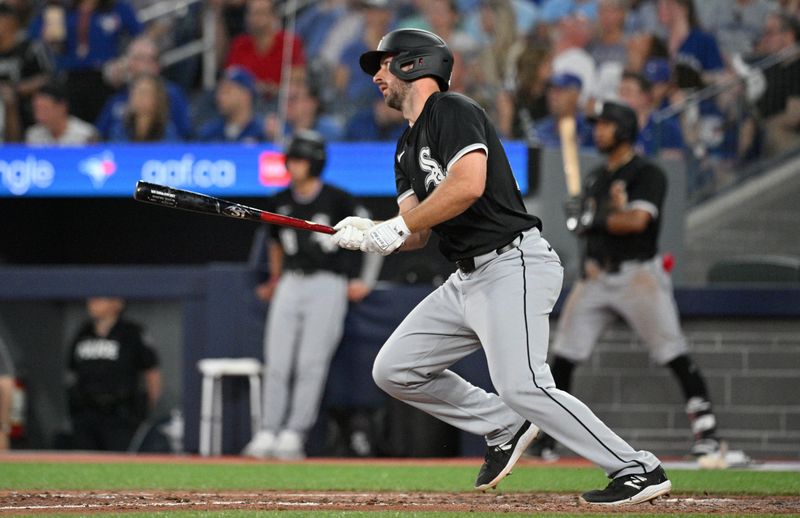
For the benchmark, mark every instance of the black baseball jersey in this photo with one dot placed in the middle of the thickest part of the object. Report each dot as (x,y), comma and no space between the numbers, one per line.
(313,251)
(646,186)
(107,369)
(450,126)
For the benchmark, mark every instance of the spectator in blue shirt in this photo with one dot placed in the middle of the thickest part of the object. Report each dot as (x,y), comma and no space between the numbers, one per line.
(83,38)
(146,117)
(563,95)
(141,58)
(688,44)
(236,120)
(661,139)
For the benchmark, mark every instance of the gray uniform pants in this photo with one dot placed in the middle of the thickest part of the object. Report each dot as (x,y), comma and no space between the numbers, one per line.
(503,306)
(641,292)
(304,327)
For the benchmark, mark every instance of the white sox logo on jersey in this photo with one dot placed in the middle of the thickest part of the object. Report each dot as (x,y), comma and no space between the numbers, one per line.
(435,172)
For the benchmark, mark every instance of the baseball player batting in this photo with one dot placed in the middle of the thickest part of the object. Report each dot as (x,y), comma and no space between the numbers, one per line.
(453,178)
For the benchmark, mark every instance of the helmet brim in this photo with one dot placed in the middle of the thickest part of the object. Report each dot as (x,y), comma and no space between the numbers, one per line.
(370,61)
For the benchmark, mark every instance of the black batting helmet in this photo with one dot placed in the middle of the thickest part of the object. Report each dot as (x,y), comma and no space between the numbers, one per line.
(309,145)
(620,114)
(426,52)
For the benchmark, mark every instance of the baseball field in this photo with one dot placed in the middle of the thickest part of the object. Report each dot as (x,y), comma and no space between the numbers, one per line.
(67,484)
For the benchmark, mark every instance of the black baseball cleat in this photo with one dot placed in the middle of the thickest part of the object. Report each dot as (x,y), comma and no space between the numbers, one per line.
(631,489)
(500,459)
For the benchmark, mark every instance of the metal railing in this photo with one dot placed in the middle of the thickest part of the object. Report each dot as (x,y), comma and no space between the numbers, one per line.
(711,170)
(204,45)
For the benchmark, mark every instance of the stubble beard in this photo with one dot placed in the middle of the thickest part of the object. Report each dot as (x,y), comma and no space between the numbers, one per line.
(397,97)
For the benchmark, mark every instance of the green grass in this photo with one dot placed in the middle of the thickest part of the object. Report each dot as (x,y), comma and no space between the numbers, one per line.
(380,514)
(366,477)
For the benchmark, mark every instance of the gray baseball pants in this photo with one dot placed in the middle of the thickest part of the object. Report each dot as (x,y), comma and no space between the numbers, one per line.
(304,327)
(503,307)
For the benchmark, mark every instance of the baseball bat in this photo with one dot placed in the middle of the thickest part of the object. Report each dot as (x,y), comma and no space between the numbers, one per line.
(569,154)
(195,202)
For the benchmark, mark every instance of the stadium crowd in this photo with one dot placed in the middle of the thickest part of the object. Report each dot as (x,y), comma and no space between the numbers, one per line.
(80,71)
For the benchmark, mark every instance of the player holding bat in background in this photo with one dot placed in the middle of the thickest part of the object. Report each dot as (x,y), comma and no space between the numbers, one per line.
(619,218)
(453,178)
(308,290)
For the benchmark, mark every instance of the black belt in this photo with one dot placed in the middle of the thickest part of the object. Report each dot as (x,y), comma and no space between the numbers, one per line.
(471,263)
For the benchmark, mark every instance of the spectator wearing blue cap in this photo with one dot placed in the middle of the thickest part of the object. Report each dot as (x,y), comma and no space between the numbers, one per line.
(563,96)
(235,120)
(658,73)
(662,139)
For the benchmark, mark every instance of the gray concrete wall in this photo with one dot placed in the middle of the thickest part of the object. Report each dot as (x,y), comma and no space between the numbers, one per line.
(752,368)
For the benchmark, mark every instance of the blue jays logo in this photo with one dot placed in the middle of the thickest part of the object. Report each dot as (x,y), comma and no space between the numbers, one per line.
(99,168)
(436,174)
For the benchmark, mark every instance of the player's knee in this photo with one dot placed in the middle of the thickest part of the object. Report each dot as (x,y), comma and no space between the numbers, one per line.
(384,375)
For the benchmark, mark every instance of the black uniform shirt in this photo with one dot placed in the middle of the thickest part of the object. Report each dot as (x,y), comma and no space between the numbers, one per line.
(107,369)
(450,126)
(313,251)
(646,186)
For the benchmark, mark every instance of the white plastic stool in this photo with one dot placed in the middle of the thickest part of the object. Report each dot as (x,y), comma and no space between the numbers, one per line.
(213,369)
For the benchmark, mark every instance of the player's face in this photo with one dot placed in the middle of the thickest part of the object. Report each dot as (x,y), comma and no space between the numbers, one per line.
(394,89)
(101,308)
(604,137)
(298,169)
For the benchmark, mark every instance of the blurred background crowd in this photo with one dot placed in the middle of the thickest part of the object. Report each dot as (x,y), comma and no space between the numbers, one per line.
(714,82)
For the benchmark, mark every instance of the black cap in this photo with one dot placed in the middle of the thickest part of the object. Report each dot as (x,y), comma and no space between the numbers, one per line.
(55,90)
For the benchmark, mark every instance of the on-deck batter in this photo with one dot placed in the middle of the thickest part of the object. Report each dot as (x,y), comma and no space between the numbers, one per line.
(453,177)
(309,278)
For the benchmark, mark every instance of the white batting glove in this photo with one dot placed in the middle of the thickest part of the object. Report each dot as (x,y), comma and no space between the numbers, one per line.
(386,237)
(355,221)
(350,232)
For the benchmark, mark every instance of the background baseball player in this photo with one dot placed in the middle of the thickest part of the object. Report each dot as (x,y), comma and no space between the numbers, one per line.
(619,218)
(453,177)
(308,289)
(106,360)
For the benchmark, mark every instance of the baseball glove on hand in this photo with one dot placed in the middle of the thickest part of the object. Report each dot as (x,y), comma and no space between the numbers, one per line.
(350,232)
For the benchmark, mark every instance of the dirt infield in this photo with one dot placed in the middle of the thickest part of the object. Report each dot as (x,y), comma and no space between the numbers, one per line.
(146,501)
(44,502)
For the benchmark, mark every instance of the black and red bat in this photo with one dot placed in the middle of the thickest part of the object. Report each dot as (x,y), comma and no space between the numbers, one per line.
(187,200)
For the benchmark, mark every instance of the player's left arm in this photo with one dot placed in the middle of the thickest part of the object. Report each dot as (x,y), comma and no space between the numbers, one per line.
(632,208)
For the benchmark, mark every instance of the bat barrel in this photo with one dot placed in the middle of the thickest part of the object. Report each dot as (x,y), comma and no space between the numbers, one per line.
(192,201)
